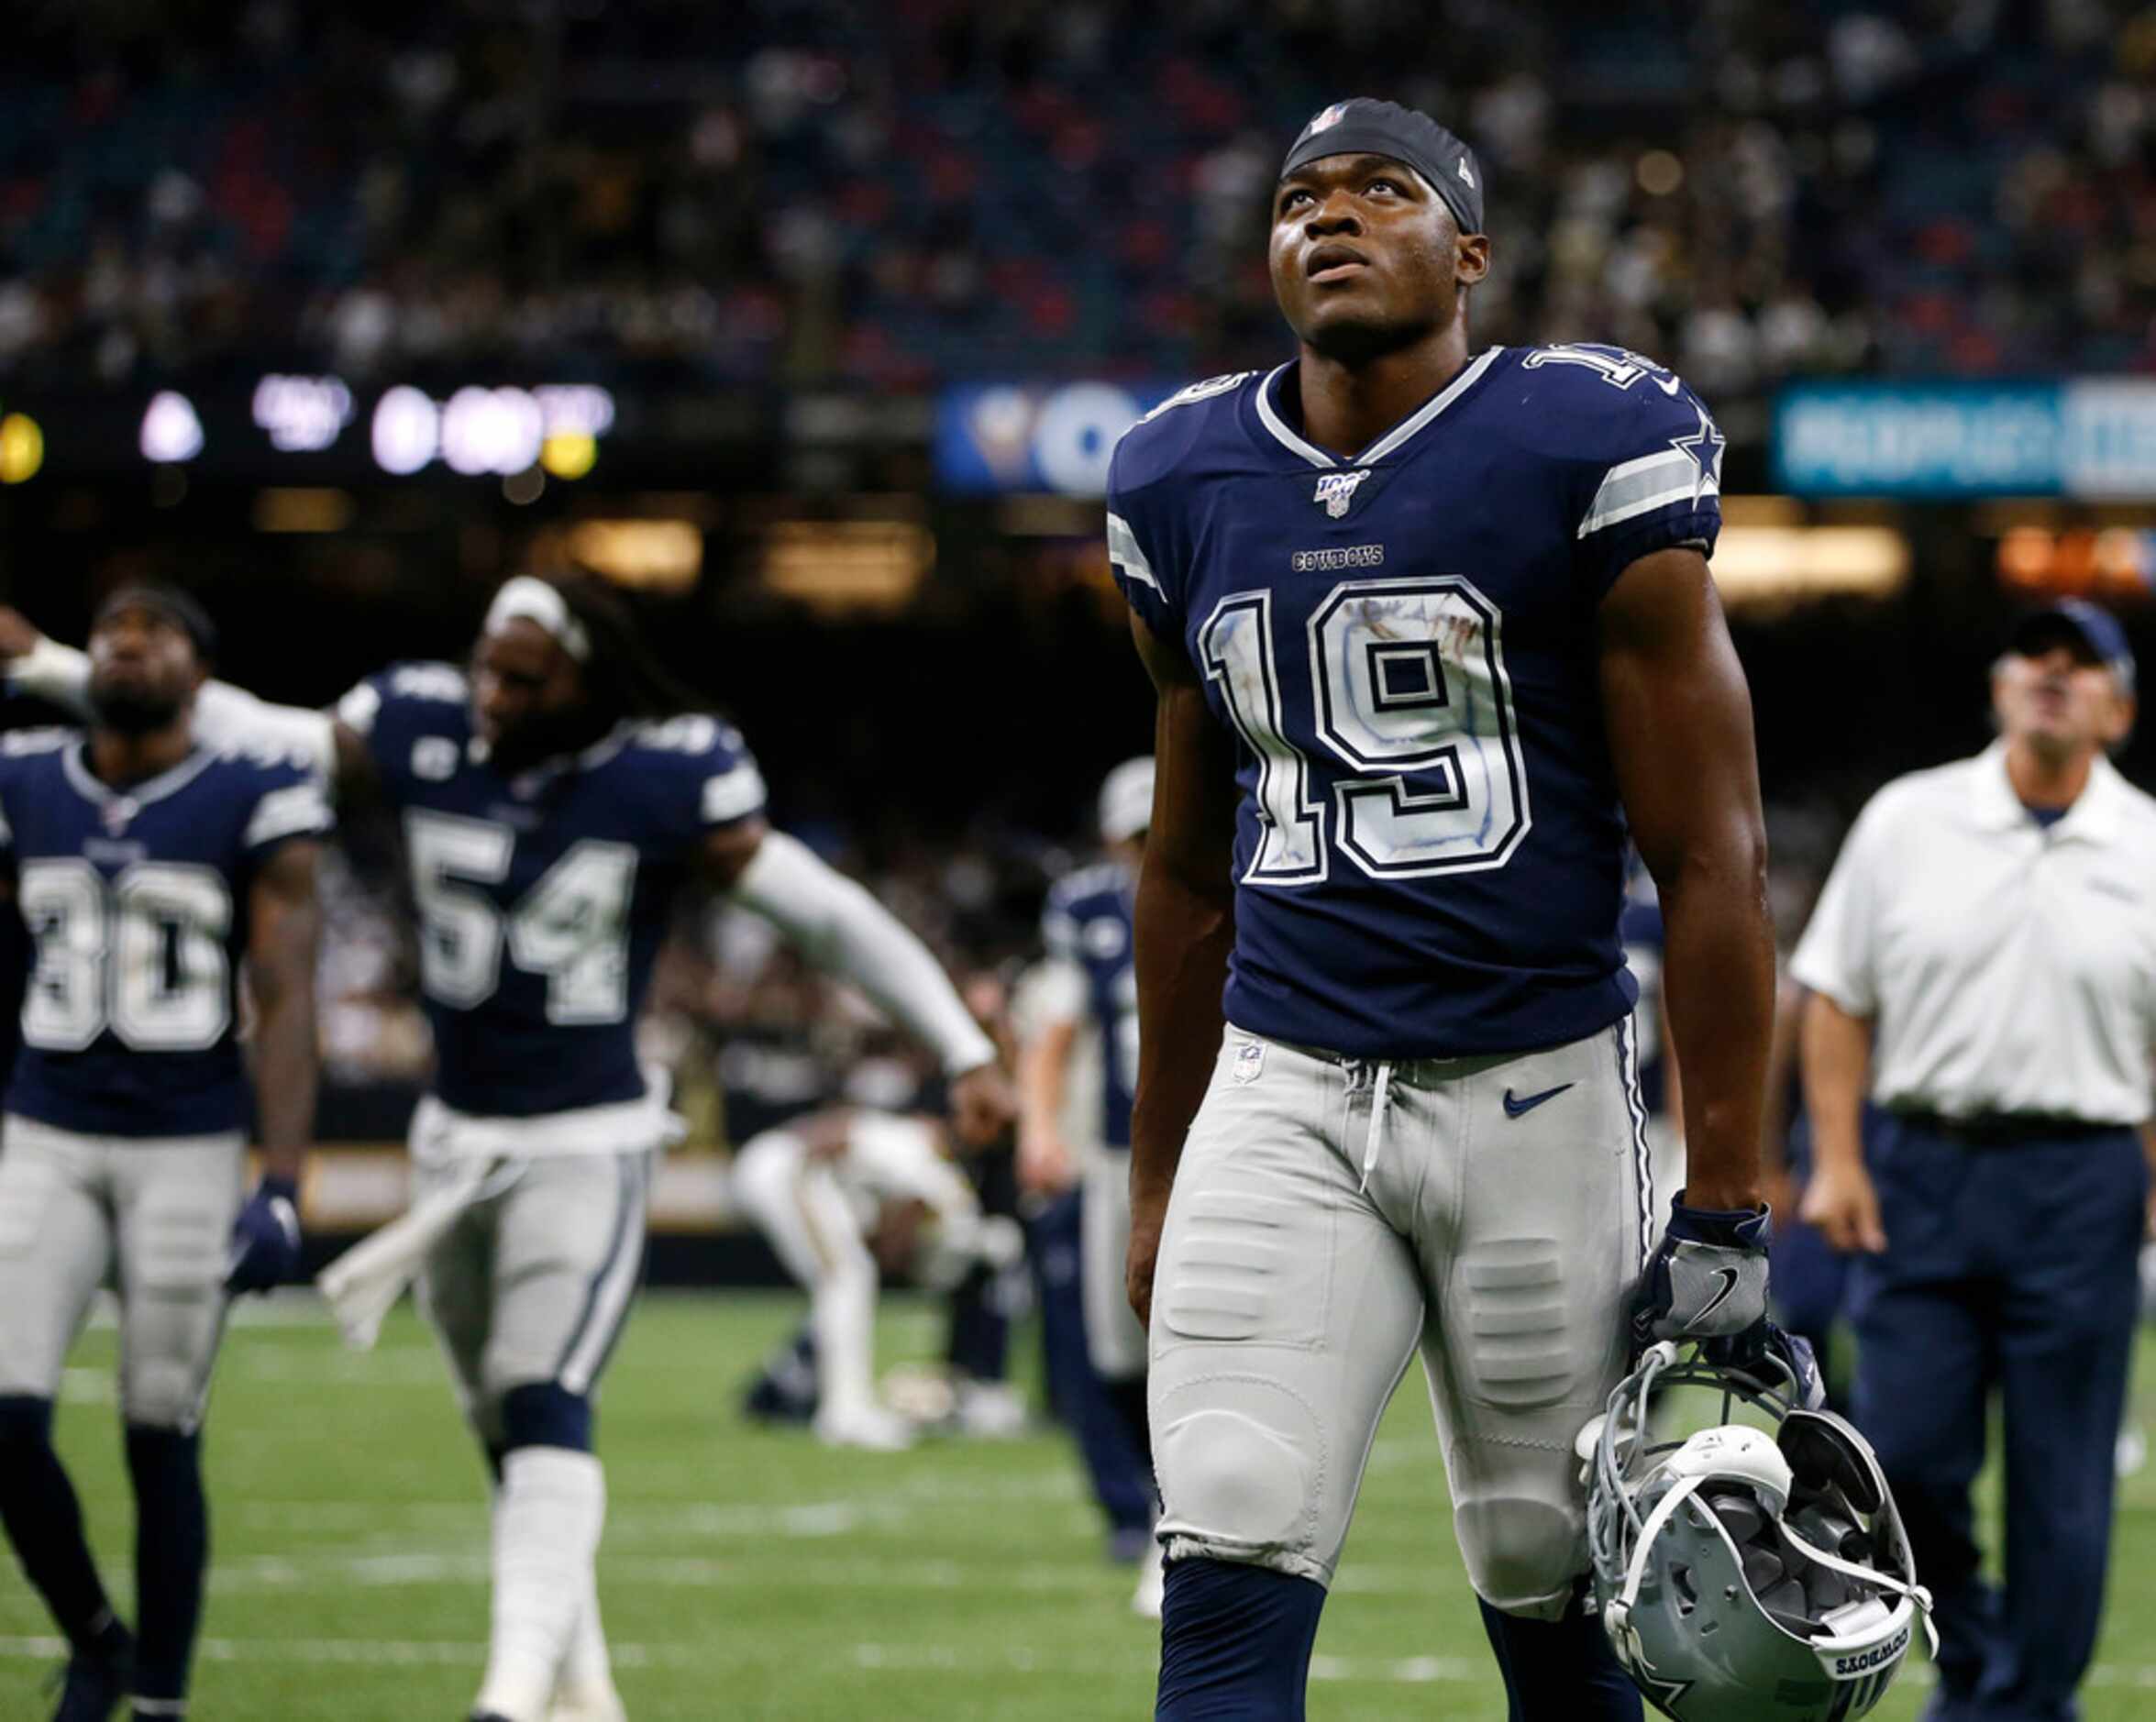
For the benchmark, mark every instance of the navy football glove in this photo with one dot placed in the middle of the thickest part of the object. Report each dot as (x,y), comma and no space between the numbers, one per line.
(1707,1280)
(266,1238)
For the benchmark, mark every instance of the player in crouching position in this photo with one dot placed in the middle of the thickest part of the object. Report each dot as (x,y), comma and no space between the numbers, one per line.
(838,1194)
(553,798)
(1429,632)
(147,869)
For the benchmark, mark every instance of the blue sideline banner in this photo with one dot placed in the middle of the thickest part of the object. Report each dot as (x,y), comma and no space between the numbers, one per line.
(2093,437)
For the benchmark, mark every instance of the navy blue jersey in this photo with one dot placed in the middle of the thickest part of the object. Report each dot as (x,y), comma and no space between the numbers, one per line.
(1087,924)
(1430,849)
(136,904)
(543,896)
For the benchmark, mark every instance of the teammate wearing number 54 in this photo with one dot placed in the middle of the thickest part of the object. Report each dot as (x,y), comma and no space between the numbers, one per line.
(147,868)
(553,796)
(1430,632)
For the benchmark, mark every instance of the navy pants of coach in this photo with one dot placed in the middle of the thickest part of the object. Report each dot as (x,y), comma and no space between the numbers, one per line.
(2009,1270)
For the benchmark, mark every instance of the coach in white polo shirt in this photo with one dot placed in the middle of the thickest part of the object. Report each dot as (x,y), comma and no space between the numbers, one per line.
(1983,962)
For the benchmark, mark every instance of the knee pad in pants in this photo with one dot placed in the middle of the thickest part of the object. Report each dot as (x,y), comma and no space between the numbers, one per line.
(1241,1478)
(1523,1555)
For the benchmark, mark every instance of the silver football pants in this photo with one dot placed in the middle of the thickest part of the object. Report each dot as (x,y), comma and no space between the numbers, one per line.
(1329,1218)
(152,1216)
(535,1281)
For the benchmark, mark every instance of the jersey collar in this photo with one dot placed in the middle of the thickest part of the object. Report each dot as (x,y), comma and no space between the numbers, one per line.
(2094,817)
(1392,441)
(124,804)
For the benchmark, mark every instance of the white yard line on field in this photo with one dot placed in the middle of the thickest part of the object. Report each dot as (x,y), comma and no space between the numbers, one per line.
(928,1658)
(464,1563)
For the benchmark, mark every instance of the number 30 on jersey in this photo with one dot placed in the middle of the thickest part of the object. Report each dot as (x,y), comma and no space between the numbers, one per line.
(1410,697)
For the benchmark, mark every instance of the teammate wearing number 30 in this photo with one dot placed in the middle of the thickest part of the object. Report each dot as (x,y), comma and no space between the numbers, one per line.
(553,796)
(1430,632)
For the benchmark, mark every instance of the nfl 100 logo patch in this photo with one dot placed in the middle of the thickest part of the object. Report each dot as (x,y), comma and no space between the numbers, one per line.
(1337,491)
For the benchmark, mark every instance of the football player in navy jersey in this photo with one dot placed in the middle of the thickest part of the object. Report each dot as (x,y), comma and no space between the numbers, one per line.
(553,796)
(1430,630)
(1087,996)
(148,869)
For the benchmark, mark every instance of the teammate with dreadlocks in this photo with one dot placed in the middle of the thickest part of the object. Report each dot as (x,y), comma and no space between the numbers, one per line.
(552,797)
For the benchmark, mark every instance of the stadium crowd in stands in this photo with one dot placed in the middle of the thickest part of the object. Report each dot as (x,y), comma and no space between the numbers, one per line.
(892,194)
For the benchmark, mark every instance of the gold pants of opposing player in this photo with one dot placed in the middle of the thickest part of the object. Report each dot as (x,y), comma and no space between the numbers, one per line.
(1331,1217)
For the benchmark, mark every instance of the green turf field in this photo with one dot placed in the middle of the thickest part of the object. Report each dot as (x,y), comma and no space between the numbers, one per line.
(750,1574)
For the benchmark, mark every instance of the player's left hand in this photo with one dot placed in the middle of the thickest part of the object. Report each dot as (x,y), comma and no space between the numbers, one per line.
(266,1238)
(981,1105)
(1708,1279)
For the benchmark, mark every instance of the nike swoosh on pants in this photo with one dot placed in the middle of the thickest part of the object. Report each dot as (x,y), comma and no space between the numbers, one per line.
(1516,1108)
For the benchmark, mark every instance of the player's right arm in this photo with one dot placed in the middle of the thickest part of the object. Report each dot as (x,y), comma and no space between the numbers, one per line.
(1184,926)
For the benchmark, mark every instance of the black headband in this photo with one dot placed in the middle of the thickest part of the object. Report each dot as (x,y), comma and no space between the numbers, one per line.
(1364,126)
(174,605)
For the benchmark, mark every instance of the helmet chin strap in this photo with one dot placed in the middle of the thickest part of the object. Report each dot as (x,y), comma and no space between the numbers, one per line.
(1870,1576)
(1618,1616)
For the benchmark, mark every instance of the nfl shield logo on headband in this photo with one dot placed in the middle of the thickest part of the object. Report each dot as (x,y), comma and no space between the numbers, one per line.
(1325,121)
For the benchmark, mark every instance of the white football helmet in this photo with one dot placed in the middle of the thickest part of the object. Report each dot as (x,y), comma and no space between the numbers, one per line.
(1744,1576)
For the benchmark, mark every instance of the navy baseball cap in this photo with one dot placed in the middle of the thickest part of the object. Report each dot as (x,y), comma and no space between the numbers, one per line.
(2091,626)
(1364,126)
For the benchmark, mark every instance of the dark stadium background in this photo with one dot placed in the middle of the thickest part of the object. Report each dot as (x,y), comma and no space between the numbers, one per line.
(810,321)
(818,277)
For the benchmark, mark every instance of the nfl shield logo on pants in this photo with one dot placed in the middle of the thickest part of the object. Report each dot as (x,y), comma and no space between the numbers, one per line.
(1250,1061)
(1337,489)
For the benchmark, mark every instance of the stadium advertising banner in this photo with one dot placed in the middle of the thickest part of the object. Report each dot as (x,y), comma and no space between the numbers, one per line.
(2091,438)
(997,436)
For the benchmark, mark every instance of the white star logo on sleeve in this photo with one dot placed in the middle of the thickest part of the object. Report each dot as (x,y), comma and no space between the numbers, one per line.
(1704,448)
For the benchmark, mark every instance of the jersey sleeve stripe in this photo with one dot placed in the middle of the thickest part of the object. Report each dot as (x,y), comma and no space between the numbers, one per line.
(357,709)
(733,794)
(1124,553)
(288,813)
(1641,486)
